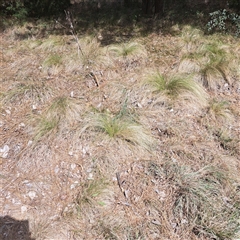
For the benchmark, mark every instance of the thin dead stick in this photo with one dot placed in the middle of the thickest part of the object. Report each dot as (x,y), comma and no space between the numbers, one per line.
(122,190)
(68,18)
(119,181)
(95,79)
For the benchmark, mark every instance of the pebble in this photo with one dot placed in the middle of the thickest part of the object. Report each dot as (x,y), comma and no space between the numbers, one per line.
(90,176)
(73,166)
(32,195)
(21,125)
(4,151)
(23,209)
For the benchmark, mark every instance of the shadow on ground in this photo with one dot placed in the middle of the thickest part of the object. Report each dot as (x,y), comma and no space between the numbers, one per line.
(12,229)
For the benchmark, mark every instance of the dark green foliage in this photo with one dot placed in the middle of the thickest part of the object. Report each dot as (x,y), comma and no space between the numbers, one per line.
(224,21)
(33,8)
(234,4)
(14,8)
(46,7)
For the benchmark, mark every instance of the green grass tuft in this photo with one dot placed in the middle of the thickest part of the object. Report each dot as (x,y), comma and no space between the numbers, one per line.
(29,90)
(220,110)
(53,60)
(121,128)
(175,86)
(198,200)
(214,62)
(127,49)
(59,117)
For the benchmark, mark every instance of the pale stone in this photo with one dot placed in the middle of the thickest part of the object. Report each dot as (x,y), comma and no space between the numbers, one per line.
(32,195)
(23,209)
(4,151)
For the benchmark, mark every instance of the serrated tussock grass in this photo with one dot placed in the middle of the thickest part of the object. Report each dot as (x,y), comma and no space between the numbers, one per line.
(127,50)
(92,54)
(53,43)
(27,90)
(173,87)
(198,199)
(52,60)
(219,110)
(121,126)
(191,38)
(214,62)
(227,141)
(89,192)
(61,116)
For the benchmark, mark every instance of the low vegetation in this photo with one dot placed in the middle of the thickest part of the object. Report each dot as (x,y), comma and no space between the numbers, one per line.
(128,135)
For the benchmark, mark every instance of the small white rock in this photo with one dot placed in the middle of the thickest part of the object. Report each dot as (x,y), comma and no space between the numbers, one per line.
(139,105)
(72,94)
(89,170)
(70,153)
(8,111)
(30,143)
(4,151)
(73,166)
(25,181)
(21,125)
(156,222)
(23,209)
(56,170)
(184,221)
(32,194)
(90,176)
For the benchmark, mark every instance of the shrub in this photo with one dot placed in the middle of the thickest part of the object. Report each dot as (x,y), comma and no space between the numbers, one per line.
(14,8)
(22,9)
(224,21)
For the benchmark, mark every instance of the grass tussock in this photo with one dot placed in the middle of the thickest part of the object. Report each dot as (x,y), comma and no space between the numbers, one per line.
(227,141)
(220,110)
(92,54)
(199,200)
(59,117)
(191,38)
(119,127)
(90,194)
(217,63)
(213,62)
(174,87)
(127,50)
(27,90)
(53,43)
(53,60)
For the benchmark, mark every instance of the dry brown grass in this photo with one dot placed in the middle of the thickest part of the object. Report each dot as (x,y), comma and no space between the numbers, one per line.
(213,61)
(96,154)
